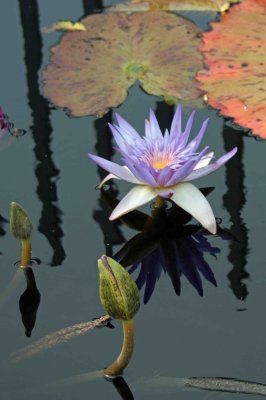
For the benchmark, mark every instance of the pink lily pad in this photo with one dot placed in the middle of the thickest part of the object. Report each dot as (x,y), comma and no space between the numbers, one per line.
(235,57)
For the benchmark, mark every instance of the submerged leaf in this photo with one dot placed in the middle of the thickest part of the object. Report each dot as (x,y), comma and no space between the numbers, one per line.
(236,60)
(171,5)
(58,337)
(91,71)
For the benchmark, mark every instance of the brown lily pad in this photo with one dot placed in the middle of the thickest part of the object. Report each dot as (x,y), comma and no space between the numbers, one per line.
(91,71)
(234,51)
(170,5)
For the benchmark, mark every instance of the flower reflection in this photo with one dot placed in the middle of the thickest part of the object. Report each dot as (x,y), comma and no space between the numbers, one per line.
(168,243)
(184,256)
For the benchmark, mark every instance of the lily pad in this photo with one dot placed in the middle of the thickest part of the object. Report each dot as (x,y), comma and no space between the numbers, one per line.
(235,78)
(91,71)
(171,5)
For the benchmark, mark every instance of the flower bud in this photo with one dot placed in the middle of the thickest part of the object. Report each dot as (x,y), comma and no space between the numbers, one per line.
(20,223)
(119,293)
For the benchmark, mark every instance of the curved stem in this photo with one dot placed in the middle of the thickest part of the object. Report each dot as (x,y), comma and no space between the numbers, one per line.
(25,253)
(118,366)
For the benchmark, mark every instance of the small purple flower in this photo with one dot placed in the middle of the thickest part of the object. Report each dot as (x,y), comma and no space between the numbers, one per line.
(162,165)
(4,121)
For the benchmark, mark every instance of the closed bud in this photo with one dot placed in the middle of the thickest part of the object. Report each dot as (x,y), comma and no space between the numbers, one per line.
(20,223)
(119,293)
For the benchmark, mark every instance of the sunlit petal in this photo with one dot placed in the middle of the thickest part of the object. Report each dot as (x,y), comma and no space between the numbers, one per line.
(204,161)
(188,197)
(135,198)
(106,179)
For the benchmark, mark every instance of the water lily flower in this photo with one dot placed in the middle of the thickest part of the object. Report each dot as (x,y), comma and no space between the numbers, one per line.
(163,165)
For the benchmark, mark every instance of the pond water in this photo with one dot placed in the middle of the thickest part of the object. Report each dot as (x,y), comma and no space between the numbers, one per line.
(47,171)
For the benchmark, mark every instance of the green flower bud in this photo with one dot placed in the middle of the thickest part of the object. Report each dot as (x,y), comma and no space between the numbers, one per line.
(20,223)
(119,293)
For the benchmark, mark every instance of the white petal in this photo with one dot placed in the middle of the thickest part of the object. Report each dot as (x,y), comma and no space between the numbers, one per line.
(204,161)
(190,198)
(107,178)
(135,198)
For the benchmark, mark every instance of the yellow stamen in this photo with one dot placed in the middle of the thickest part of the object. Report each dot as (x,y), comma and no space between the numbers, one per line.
(160,164)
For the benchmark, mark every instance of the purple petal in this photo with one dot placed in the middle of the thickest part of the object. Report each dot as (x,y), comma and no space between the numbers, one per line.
(194,144)
(126,127)
(166,194)
(181,173)
(185,135)
(176,126)
(115,169)
(155,130)
(164,175)
(135,198)
(198,173)
(120,141)
(187,168)
(190,198)
(142,172)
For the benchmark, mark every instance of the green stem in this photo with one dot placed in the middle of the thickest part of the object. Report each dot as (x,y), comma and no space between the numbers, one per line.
(25,253)
(118,366)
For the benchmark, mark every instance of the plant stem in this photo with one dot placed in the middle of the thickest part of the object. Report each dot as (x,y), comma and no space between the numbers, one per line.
(25,253)
(118,366)
(159,202)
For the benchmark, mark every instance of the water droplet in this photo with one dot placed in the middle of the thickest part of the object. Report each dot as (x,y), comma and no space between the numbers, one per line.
(105,187)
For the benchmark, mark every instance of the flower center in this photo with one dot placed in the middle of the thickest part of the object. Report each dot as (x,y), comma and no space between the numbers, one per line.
(161,160)
(159,164)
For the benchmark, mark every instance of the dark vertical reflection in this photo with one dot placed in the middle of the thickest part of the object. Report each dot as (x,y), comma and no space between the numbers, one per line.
(29,302)
(45,170)
(90,6)
(234,201)
(104,148)
(164,114)
(3,221)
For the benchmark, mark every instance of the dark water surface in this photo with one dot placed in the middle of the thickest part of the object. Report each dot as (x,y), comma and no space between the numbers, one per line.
(48,172)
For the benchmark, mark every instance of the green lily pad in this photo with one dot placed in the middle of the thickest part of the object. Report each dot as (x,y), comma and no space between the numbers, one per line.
(235,56)
(91,71)
(171,5)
